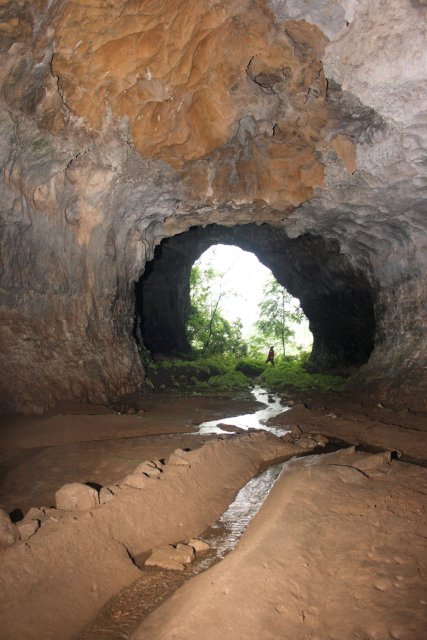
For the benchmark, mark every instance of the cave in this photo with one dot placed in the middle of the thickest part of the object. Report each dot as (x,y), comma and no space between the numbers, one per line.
(134,135)
(337,299)
(283,144)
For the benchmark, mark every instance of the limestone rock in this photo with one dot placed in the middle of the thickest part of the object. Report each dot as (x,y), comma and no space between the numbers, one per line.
(199,546)
(35,513)
(321,440)
(105,495)
(306,442)
(76,496)
(27,528)
(296,431)
(8,531)
(184,553)
(148,469)
(374,461)
(165,558)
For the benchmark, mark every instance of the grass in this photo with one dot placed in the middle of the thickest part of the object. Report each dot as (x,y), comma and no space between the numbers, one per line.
(222,374)
(291,372)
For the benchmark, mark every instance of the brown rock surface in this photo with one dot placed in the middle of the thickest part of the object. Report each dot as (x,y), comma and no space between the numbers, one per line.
(331,554)
(86,554)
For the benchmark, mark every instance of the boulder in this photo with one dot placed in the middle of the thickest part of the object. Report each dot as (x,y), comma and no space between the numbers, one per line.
(8,531)
(76,496)
(138,481)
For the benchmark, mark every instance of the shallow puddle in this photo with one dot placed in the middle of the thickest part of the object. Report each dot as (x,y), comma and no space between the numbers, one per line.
(119,617)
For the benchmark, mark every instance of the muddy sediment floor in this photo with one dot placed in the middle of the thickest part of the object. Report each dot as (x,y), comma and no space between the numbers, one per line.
(337,551)
(96,444)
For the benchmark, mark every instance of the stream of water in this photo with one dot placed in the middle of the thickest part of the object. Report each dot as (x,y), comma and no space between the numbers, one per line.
(119,618)
(273,407)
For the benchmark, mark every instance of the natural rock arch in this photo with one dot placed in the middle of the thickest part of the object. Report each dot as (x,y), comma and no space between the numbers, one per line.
(337,299)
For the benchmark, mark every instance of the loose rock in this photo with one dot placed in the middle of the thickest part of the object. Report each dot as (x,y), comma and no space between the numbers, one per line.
(199,546)
(76,496)
(184,553)
(165,558)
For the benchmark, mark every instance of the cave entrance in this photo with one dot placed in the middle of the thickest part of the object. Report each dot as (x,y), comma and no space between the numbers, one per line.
(337,299)
(238,308)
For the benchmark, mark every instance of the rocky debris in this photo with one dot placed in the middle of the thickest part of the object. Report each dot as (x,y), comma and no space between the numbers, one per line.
(9,533)
(144,473)
(199,546)
(296,431)
(178,458)
(76,496)
(171,557)
(27,528)
(305,440)
(321,440)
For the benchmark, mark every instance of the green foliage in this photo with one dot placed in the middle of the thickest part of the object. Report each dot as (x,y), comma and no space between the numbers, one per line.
(229,380)
(278,309)
(291,372)
(250,367)
(208,331)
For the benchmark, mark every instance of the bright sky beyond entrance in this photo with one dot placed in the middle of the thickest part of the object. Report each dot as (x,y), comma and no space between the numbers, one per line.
(245,278)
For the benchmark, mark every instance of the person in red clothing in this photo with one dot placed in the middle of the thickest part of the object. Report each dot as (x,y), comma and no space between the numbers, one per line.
(270,357)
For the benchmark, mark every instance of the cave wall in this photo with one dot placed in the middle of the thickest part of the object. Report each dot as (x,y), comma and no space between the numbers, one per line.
(125,123)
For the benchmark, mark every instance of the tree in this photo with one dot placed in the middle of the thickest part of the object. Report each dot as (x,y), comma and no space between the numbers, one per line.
(208,331)
(278,310)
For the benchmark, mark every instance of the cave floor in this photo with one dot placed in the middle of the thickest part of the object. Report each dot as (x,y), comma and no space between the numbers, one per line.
(97,444)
